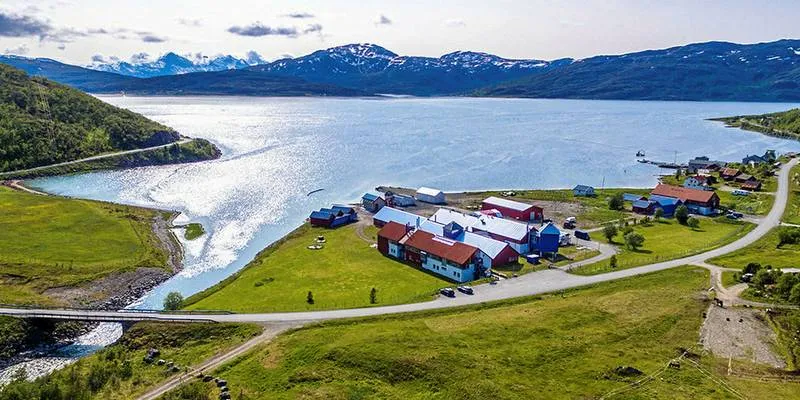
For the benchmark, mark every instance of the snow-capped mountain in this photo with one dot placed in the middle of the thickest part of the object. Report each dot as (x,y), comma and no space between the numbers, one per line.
(173,64)
(371,67)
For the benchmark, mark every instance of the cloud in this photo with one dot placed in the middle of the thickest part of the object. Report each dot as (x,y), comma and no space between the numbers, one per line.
(190,22)
(312,29)
(383,20)
(151,38)
(140,58)
(20,50)
(258,29)
(101,59)
(12,25)
(299,15)
(253,58)
(454,23)
(98,58)
(62,46)
(286,56)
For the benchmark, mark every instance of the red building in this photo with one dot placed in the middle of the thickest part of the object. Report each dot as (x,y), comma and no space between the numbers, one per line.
(514,209)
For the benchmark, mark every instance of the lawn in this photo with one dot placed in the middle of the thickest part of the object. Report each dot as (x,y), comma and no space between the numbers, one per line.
(193,231)
(755,203)
(341,275)
(119,371)
(792,213)
(48,241)
(667,240)
(765,252)
(573,345)
(730,278)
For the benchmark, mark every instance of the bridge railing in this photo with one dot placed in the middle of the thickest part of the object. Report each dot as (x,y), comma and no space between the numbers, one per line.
(121,310)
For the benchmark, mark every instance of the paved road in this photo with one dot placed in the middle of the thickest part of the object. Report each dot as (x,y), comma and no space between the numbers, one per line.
(535,283)
(93,158)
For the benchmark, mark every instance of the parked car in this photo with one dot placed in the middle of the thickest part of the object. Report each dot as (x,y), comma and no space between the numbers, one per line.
(746,277)
(466,289)
(582,235)
(449,292)
(569,225)
(734,215)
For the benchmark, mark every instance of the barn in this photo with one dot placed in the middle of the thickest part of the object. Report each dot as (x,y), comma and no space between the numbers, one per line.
(429,195)
(496,253)
(514,209)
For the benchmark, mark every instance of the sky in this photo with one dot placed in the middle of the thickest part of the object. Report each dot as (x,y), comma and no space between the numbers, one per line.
(80,31)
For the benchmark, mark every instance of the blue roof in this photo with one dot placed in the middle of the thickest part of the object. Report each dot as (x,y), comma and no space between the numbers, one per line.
(490,246)
(344,209)
(642,203)
(583,187)
(665,201)
(321,215)
(631,196)
(389,214)
(370,197)
(549,229)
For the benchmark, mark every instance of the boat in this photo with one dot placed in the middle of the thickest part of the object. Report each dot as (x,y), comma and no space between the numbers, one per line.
(640,153)
(314,191)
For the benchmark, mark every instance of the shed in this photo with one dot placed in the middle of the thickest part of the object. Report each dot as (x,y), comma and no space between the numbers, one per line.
(429,195)
(548,239)
(402,200)
(629,197)
(729,173)
(666,204)
(583,191)
(320,218)
(372,202)
(513,209)
(646,207)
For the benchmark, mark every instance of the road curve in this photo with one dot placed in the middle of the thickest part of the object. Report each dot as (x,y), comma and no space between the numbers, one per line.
(551,280)
(93,158)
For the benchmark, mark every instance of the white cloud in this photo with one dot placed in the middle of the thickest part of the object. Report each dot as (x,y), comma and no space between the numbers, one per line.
(383,20)
(454,23)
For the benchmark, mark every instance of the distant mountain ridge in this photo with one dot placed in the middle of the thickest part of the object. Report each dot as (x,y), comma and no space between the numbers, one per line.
(712,71)
(174,64)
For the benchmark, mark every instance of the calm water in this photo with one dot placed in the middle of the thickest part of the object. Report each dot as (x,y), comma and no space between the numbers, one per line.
(278,150)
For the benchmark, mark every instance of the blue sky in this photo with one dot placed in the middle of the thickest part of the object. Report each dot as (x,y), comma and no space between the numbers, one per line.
(78,30)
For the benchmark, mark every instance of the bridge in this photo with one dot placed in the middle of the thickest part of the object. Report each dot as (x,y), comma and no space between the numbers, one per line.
(124,315)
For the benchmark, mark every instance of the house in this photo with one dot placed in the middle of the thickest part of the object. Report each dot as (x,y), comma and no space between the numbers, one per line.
(583,191)
(701,202)
(644,206)
(332,217)
(698,182)
(402,200)
(729,173)
(754,160)
(516,234)
(428,195)
(496,253)
(373,202)
(448,258)
(754,185)
(704,162)
(667,204)
(632,197)
(742,178)
(547,239)
(513,209)
(391,214)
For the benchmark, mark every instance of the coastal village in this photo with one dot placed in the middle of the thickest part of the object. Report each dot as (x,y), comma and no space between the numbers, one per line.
(459,243)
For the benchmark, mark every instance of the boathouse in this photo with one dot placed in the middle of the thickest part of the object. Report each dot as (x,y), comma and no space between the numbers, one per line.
(429,195)
(513,209)
(373,202)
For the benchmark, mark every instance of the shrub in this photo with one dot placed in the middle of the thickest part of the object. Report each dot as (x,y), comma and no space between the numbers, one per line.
(682,214)
(609,231)
(173,301)
(634,240)
(693,223)
(616,202)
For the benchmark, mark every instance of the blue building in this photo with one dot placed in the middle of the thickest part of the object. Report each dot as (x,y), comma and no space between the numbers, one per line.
(547,239)
(333,217)
(667,204)
(373,202)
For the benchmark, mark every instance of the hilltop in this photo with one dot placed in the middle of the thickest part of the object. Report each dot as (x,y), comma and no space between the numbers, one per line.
(43,123)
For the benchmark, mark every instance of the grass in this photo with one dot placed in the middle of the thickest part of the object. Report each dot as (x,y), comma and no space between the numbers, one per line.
(765,251)
(564,346)
(792,213)
(48,241)
(729,278)
(340,275)
(119,371)
(193,231)
(667,240)
(755,203)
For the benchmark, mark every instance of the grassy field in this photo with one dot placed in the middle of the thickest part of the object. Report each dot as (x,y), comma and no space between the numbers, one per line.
(341,275)
(565,346)
(667,240)
(765,251)
(193,231)
(792,213)
(729,278)
(119,372)
(755,203)
(48,241)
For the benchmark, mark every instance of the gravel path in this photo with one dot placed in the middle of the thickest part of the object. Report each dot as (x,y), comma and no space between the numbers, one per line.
(740,333)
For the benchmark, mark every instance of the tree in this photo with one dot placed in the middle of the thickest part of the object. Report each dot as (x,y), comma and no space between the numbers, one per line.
(616,202)
(682,214)
(634,240)
(764,277)
(373,296)
(612,262)
(794,294)
(785,284)
(609,231)
(751,268)
(693,223)
(626,230)
(658,214)
(310,298)
(788,236)
(173,301)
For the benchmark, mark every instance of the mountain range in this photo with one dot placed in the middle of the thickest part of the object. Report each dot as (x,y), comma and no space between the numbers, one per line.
(710,71)
(173,64)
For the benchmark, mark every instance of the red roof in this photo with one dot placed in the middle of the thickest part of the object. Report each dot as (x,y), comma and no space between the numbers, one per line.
(393,231)
(729,172)
(685,194)
(447,249)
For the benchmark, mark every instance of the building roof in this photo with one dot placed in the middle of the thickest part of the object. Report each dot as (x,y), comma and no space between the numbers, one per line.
(343,208)
(549,229)
(642,204)
(665,201)
(321,215)
(699,178)
(751,185)
(583,187)
(506,203)
(498,226)
(447,249)
(370,197)
(744,177)
(429,191)
(631,197)
(730,172)
(389,214)
(684,194)
(490,246)
(393,231)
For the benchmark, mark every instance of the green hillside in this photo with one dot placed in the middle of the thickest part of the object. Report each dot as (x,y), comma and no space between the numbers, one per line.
(42,122)
(781,124)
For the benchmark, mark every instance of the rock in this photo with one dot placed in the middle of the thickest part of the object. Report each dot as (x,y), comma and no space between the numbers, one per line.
(175,368)
(161,362)
(222,382)
(208,378)
(153,353)
(170,364)
(224,396)
(223,389)
(625,370)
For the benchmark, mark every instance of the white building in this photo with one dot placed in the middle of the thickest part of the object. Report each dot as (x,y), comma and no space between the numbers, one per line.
(429,195)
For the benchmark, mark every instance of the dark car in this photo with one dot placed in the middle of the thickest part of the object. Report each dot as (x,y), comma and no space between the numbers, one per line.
(466,289)
(582,235)
(449,292)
